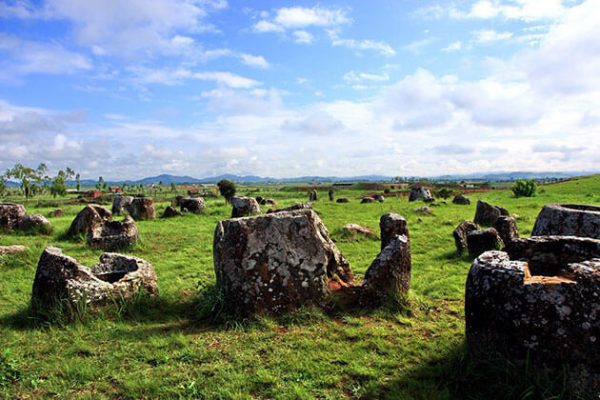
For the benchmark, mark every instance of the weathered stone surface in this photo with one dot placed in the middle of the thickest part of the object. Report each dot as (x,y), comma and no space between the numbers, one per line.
(243,207)
(35,222)
(460,235)
(120,202)
(549,315)
(548,254)
(487,214)
(194,205)
(342,200)
(388,277)
(480,241)
(171,212)
(276,262)
(312,195)
(366,200)
(113,235)
(507,228)
(392,225)
(423,211)
(259,199)
(379,198)
(60,278)
(92,215)
(460,199)
(295,207)
(14,249)
(355,229)
(57,213)
(141,208)
(177,201)
(10,215)
(420,193)
(568,220)
(331,194)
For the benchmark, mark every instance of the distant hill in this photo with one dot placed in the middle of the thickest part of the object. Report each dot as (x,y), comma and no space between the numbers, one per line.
(168,179)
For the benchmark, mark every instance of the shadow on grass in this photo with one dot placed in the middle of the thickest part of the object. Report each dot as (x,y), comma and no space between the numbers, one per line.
(455,374)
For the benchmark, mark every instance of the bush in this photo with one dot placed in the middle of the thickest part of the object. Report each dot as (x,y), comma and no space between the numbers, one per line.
(226,188)
(444,193)
(524,188)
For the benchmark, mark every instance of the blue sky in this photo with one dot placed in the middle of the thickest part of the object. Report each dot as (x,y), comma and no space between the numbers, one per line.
(290,88)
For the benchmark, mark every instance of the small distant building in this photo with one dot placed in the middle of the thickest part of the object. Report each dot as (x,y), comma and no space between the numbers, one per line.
(91,194)
(115,189)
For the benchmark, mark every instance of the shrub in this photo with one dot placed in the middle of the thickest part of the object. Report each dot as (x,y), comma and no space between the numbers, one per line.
(524,188)
(226,188)
(444,193)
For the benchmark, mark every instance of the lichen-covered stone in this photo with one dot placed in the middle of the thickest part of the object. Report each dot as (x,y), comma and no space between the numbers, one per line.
(171,212)
(331,194)
(480,241)
(392,225)
(420,193)
(120,202)
(507,228)
(60,278)
(461,199)
(10,215)
(487,214)
(312,195)
(35,223)
(460,235)
(243,207)
(388,277)
(423,211)
(355,229)
(276,262)
(380,198)
(91,216)
(141,208)
(57,213)
(113,235)
(366,200)
(546,309)
(568,220)
(194,205)
(342,200)
(13,249)
(551,253)
(295,207)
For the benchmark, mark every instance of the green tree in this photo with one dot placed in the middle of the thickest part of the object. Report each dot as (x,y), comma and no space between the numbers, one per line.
(78,181)
(173,187)
(26,176)
(444,193)
(101,184)
(226,188)
(2,185)
(524,188)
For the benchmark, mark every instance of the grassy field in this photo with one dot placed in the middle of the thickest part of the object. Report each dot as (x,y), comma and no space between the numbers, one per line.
(171,348)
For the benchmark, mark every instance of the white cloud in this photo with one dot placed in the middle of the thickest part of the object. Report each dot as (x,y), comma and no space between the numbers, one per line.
(362,45)
(303,37)
(490,35)
(176,76)
(23,57)
(131,27)
(357,77)
(454,46)
(525,10)
(302,17)
(254,61)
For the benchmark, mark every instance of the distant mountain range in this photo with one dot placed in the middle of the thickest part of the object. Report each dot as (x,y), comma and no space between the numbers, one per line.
(167,179)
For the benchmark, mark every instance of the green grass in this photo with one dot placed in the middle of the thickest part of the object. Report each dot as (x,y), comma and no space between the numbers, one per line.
(171,348)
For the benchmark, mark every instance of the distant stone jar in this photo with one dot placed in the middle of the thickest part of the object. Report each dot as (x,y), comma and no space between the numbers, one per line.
(568,220)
